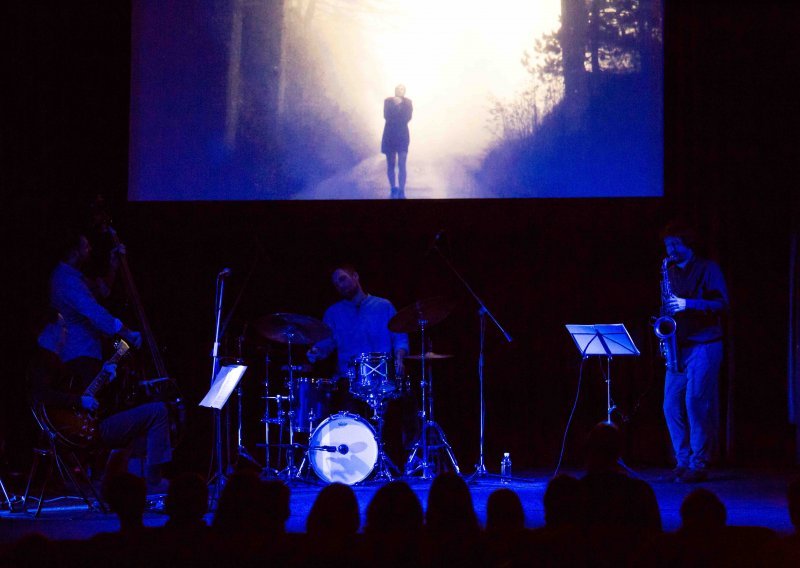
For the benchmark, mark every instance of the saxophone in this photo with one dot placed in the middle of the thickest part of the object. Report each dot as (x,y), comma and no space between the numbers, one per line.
(665,326)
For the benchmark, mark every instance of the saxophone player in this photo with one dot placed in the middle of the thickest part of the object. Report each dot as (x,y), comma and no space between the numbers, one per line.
(691,395)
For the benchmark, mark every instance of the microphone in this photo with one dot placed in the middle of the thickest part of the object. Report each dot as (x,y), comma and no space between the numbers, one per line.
(341,448)
(224,272)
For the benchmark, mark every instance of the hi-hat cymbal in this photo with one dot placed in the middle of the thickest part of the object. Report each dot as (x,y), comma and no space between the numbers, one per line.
(422,312)
(294,328)
(429,355)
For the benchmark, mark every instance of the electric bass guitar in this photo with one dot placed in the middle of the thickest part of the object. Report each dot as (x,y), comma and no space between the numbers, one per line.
(78,427)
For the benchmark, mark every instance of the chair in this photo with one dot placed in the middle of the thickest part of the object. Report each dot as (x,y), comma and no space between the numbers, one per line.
(56,454)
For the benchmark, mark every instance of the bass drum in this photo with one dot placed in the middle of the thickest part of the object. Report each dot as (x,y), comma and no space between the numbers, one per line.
(343,448)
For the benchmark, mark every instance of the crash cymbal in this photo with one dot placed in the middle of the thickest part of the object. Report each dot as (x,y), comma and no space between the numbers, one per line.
(429,355)
(299,329)
(430,311)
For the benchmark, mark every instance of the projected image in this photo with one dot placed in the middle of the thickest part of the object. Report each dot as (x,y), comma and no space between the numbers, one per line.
(395,99)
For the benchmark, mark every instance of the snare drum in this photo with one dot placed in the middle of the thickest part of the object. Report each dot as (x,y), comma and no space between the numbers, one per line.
(372,376)
(311,401)
(343,448)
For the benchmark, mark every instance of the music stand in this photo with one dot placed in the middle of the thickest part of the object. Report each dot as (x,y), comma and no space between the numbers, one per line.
(604,340)
(222,386)
(226,380)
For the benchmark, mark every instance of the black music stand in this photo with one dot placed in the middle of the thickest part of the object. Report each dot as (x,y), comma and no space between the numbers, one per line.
(604,340)
(226,379)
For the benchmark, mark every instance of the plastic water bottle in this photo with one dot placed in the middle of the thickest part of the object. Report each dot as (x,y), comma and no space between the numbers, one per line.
(505,468)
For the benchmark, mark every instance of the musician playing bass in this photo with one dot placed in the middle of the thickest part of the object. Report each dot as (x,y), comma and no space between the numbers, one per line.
(53,388)
(75,297)
(691,397)
(87,323)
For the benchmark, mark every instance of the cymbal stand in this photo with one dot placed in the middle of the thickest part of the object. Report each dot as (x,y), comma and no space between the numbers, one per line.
(428,423)
(267,420)
(291,469)
(385,469)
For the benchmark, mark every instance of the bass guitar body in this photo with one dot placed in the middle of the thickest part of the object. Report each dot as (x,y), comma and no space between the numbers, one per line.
(75,428)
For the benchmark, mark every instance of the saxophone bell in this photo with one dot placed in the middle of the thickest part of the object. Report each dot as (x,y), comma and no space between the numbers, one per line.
(665,327)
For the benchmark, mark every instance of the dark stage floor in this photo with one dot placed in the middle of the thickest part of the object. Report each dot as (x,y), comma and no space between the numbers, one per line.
(752,497)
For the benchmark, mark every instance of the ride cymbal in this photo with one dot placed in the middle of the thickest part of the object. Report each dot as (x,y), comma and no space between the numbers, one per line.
(422,312)
(292,328)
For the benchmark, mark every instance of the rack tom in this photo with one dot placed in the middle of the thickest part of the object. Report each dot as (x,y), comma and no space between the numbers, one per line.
(372,376)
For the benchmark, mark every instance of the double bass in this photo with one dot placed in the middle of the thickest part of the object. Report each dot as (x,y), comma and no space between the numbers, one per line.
(138,389)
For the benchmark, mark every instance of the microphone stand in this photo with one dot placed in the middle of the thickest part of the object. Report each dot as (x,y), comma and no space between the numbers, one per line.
(483,311)
(218,480)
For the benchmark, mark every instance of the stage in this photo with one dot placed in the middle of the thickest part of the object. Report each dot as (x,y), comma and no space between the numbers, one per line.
(752,498)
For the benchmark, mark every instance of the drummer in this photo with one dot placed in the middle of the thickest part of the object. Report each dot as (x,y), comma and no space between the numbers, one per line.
(360,324)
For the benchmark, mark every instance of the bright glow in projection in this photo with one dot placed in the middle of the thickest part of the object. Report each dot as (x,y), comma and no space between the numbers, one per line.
(285,99)
(454,57)
(451,55)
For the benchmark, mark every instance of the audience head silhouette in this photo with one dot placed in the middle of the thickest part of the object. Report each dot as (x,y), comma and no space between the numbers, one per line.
(504,511)
(274,498)
(702,511)
(450,506)
(126,494)
(250,505)
(187,498)
(394,507)
(565,501)
(335,511)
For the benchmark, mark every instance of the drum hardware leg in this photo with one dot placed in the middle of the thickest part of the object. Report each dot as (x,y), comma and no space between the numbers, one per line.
(305,464)
(425,449)
(298,473)
(426,414)
(268,470)
(290,470)
(385,467)
(311,417)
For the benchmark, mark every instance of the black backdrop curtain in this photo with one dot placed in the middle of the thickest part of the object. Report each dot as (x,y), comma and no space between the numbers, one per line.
(793,345)
(730,161)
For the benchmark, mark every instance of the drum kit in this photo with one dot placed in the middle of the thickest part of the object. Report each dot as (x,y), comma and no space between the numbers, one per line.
(344,446)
